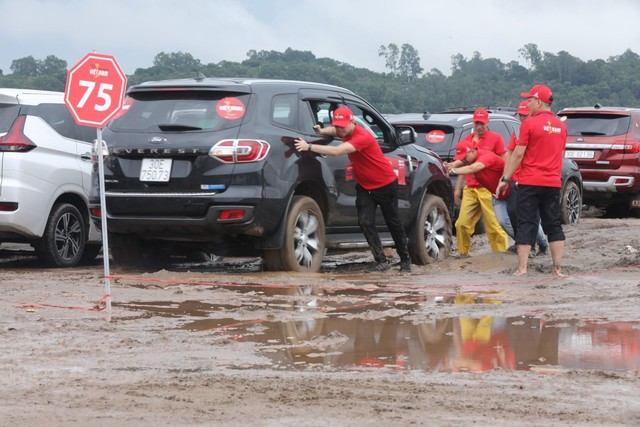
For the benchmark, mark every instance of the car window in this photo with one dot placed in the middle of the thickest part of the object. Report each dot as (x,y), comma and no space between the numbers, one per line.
(370,122)
(284,110)
(178,110)
(597,124)
(500,127)
(8,113)
(438,138)
(58,117)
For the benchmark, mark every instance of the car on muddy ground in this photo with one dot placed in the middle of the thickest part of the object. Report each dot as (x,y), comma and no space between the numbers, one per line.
(441,132)
(45,178)
(209,165)
(605,143)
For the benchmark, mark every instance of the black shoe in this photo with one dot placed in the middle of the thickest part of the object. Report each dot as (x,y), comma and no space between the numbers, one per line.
(542,250)
(405,266)
(378,267)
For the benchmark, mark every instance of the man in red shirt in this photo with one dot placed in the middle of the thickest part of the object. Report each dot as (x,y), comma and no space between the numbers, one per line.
(538,154)
(476,199)
(377,184)
(486,167)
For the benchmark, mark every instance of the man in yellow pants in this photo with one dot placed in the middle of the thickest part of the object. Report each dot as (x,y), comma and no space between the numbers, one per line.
(476,200)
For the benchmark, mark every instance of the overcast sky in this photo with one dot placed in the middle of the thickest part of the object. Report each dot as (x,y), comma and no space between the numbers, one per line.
(134,31)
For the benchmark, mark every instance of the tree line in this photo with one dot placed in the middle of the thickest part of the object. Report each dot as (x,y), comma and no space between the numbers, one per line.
(474,81)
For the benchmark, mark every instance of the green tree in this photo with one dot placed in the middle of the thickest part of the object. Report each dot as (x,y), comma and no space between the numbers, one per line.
(531,54)
(25,67)
(409,63)
(177,61)
(391,54)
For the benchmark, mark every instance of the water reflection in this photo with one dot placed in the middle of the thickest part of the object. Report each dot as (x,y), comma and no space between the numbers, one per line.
(355,333)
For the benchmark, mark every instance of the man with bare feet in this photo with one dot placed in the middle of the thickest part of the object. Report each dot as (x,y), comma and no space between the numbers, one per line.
(539,151)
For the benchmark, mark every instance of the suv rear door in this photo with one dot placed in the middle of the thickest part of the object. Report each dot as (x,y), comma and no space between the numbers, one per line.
(597,140)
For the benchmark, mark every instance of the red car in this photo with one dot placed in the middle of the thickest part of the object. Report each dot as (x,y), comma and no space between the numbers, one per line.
(605,143)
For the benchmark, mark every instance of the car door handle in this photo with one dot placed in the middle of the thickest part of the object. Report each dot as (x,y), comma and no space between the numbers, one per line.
(86,156)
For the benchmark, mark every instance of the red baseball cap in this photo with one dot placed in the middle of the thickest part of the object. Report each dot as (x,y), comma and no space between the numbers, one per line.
(540,92)
(462,149)
(481,115)
(523,108)
(342,116)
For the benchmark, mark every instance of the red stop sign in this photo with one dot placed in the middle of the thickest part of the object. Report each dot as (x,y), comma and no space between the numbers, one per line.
(95,89)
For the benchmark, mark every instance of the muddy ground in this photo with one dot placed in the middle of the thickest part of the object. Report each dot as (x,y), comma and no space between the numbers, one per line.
(456,343)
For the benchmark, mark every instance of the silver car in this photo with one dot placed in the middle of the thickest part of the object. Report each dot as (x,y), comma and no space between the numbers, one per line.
(45,176)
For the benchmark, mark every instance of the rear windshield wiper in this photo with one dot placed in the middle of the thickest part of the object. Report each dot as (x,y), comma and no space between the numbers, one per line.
(175,127)
(592,133)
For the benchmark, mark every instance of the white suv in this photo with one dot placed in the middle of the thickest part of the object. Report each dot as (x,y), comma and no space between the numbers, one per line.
(45,177)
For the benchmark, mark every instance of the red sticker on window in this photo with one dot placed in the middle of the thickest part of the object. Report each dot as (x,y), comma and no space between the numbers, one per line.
(230,108)
(435,136)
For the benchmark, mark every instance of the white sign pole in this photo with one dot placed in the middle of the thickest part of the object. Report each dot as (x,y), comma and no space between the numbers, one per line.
(100,148)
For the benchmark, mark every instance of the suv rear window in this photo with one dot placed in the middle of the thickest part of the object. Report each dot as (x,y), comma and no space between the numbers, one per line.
(181,111)
(597,124)
(8,113)
(435,137)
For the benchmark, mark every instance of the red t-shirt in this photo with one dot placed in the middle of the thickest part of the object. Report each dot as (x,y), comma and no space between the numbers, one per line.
(489,177)
(490,141)
(371,167)
(545,136)
(510,147)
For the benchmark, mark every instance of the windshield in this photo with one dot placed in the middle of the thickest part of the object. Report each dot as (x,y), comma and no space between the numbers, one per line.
(179,110)
(597,124)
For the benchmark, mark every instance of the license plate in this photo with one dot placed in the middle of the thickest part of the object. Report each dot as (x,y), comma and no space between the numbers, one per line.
(155,170)
(580,154)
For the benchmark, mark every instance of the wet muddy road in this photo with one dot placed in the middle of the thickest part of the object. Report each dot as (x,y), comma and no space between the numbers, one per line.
(459,342)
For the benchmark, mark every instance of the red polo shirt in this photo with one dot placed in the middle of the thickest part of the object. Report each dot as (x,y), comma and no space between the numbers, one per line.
(489,177)
(371,167)
(491,141)
(545,136)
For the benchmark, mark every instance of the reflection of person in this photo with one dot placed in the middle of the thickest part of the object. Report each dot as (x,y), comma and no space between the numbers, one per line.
(510,219)
(377,184)
(476,200)
(538,154)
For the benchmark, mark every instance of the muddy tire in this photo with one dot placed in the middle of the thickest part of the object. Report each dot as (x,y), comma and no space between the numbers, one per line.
(432,232)
(304,239)
(64,237)
(570,203)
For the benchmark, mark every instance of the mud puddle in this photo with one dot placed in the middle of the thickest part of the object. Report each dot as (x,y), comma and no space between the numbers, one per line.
(375,333)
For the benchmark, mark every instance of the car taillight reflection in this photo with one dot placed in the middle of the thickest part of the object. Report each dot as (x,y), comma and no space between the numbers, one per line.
(240,150)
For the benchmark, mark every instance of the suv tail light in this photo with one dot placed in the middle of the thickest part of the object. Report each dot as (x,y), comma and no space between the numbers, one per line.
(15,140)
(627,147)
(239,150)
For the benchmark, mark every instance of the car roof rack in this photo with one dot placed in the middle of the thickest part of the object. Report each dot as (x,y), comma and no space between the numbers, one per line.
(470,110)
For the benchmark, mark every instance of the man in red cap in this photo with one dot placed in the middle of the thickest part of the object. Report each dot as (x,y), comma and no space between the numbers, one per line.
(476,199)
(538,155)
(377,183)
(506,212)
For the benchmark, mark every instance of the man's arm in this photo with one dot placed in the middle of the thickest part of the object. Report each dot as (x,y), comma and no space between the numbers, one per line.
(327,150)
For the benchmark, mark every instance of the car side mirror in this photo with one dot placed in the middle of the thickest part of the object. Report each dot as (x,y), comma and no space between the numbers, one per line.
(406,135)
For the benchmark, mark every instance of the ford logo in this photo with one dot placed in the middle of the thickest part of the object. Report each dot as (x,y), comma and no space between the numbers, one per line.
(157,140)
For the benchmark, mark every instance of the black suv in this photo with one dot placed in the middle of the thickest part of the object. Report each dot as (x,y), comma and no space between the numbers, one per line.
(441,132)
(210,165)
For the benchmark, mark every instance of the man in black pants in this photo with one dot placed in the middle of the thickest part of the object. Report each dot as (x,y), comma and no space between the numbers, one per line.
(377,184)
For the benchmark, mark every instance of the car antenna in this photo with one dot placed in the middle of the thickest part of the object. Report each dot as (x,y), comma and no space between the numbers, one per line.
(426,115)
(200,77)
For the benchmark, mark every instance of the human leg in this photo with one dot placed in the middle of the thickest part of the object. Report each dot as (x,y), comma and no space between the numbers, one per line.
(387,199)
(552,225)
(366,206)
(496,234)
(502,215)
(467,219)
(527,208)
